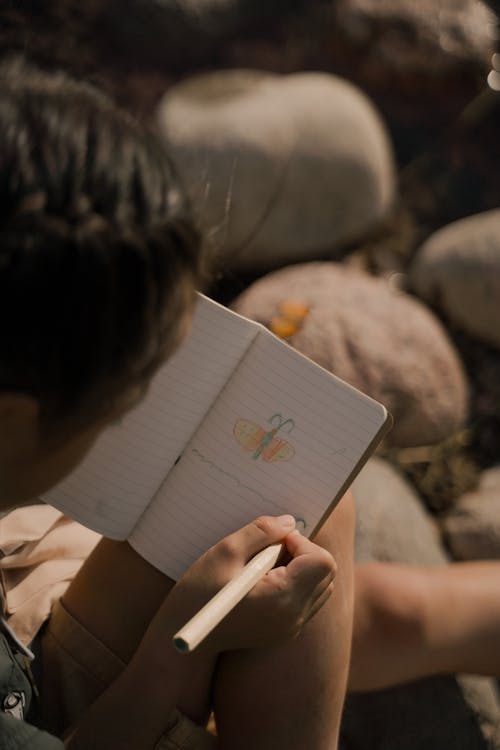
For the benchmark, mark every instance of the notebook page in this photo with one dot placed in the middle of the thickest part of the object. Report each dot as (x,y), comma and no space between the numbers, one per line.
(110,489)
(284,436)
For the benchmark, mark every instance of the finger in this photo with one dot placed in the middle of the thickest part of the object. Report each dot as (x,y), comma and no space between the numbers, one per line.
(318,591)
(255,536)
(311,563)
(310,579)
(320,601)
(322,586)
(297,544)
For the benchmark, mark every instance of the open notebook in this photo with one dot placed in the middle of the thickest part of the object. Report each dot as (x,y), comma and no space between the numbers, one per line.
(235,424)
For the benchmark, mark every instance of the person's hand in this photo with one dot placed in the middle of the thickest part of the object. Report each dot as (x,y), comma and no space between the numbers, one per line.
(276,609)
(280,604)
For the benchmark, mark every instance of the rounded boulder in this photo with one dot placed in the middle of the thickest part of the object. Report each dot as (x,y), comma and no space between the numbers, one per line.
(392,523)
(384,342)
(472,528)
(458,270)
(278,168)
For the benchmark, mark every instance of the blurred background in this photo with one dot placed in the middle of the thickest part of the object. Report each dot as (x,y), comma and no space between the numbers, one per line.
(342,158)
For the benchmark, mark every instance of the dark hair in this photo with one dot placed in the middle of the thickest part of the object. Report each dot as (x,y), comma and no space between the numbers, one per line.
(98,255)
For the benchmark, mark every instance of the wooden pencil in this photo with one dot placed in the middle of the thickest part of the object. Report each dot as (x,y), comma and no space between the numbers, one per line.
(209,616)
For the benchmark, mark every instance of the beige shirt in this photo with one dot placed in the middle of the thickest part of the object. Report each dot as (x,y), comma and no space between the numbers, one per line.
(41,551)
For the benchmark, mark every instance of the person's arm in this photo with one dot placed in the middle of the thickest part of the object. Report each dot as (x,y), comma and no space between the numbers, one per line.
(403,630)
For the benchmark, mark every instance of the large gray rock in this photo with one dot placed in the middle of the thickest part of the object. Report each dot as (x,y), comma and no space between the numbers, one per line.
(438,713)
(383,342)
(458,269)
(472,528)
(392,523)
(490,479)
(279,168)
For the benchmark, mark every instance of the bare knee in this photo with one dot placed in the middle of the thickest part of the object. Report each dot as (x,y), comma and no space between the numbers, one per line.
(337,536)
(337,533)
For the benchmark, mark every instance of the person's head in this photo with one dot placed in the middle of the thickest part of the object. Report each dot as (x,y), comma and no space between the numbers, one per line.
(99,262)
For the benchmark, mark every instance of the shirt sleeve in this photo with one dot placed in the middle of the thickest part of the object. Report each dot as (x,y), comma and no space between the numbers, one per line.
(16,734)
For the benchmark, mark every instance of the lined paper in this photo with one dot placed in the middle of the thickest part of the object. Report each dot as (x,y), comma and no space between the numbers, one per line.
(219,484)
(111,488)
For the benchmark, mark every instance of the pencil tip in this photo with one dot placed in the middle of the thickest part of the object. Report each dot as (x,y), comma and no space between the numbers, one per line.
(181,645)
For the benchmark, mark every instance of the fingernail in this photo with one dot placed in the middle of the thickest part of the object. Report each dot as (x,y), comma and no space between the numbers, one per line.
(287,521)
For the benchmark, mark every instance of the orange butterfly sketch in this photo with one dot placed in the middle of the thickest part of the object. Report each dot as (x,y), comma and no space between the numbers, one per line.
(264,444)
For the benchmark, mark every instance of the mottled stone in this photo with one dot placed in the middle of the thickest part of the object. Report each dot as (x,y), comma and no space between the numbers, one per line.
(392,523)
(490,479)
(279,168)
(472,528)
(384,342)
(458,270)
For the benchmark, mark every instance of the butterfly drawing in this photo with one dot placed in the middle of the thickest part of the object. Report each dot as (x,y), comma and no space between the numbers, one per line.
(265,444)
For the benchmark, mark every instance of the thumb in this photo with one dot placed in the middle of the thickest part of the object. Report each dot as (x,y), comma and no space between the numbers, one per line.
(257,535)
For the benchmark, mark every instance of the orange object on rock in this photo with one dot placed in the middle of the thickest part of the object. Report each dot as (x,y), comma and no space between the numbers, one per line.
(283,327)
(293,310)
(289,320)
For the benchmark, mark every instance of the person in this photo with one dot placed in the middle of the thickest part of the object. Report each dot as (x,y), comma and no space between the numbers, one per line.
(99,262)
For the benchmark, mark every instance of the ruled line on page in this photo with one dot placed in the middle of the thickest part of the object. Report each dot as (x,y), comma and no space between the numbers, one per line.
(225,486)
(129,462)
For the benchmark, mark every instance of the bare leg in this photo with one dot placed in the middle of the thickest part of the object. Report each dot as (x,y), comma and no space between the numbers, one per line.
(115,596)
(291,697)
(116,586)
(413,621)
(409,622)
